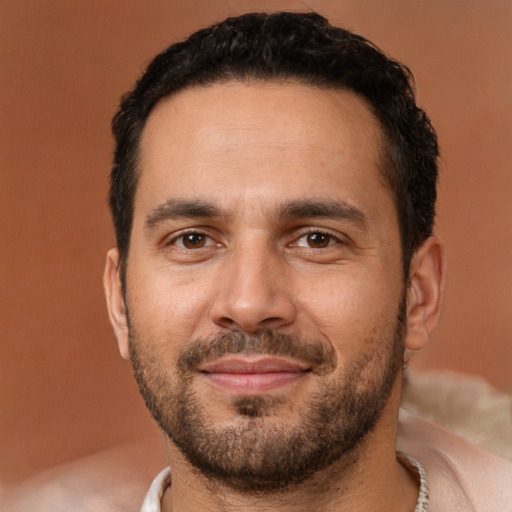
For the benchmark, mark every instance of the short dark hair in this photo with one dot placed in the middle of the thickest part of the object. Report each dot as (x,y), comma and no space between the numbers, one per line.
(299,47)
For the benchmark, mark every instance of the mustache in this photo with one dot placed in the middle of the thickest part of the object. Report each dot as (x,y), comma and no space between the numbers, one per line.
(322,358)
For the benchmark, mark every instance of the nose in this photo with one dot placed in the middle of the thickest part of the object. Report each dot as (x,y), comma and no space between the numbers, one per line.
(253,293)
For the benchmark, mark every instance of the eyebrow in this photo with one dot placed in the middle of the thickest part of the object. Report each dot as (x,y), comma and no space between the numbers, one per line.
(330,209)
(293,210)
(181,208)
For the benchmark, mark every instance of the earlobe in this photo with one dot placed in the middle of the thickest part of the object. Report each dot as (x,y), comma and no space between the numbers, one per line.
(425,292)
(115,301)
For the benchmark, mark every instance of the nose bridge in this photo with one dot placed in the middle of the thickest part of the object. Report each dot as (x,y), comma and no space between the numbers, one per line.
(252,293)
(252,268)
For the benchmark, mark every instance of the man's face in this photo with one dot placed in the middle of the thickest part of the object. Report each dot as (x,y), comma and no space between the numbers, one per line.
(264,284)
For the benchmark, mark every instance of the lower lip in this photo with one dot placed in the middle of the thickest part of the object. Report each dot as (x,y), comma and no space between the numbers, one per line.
(252,383)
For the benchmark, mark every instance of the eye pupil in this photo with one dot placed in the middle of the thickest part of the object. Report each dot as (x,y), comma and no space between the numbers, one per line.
(318,240)
(194,240)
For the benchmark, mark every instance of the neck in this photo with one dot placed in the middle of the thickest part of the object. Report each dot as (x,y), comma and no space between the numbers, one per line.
(367,479)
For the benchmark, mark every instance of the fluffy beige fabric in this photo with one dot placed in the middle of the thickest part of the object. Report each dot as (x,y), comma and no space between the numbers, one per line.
(465,404)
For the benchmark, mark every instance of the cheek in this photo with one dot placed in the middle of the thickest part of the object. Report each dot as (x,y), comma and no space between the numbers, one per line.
(350,309)
(168,304)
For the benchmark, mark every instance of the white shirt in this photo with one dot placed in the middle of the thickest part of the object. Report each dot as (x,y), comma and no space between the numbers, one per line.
(153,499)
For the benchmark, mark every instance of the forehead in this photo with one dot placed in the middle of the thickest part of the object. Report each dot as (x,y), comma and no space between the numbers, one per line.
(235,139)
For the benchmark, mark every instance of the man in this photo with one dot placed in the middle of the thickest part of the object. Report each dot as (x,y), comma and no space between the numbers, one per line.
(273,196)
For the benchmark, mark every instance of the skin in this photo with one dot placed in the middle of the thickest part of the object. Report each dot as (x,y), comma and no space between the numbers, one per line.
(249,150)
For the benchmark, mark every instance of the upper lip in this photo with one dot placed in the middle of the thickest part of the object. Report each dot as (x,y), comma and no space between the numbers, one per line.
(248,365)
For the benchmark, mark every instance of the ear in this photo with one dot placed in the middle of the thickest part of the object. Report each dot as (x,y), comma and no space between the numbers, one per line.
(115,301)
(425,292)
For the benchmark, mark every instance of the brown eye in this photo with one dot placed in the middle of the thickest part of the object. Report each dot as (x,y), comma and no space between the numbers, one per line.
(192,241)
(318,240)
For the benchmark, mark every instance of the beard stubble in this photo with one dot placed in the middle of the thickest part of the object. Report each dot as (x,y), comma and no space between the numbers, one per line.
(262,454)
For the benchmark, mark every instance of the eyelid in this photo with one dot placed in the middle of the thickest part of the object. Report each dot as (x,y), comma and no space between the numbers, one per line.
(339,238)
(174,237)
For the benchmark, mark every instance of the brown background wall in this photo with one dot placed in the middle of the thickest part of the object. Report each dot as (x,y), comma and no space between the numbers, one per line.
(64,391)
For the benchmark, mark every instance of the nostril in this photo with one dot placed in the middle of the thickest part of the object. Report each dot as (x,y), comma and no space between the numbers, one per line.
(250,327)
(270,320)
(227,322)
(251,313)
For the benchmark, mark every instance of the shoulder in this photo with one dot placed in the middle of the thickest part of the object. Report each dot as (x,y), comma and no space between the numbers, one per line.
(110,481)
(462,477)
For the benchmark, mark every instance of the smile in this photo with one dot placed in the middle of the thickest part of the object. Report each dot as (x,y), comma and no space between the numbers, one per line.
(245,376)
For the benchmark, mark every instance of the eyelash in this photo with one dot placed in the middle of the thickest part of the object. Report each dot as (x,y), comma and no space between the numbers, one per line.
(208,241)
(331,239)
(182,237)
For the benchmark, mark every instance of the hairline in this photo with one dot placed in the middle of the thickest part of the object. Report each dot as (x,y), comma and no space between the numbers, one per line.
(385,145)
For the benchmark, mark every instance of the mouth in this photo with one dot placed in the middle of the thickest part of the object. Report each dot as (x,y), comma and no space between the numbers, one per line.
(254,375)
